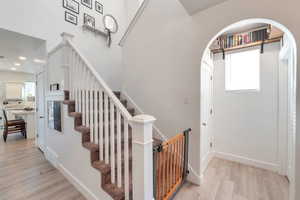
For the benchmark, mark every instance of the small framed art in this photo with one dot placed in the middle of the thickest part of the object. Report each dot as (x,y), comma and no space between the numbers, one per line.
(69,17)
(89,20)
(71,5)
(98,7)
(87,3)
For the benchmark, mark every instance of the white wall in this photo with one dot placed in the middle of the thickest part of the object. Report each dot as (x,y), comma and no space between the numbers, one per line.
(158,75)
(56,73)
(245,123)
(44,19)
(163,55)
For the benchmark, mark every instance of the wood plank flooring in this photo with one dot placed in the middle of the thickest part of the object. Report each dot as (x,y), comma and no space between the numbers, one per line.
(225,180)
(26,175)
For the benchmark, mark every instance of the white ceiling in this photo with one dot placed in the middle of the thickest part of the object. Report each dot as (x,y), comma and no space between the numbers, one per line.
(193,6)
(13,45)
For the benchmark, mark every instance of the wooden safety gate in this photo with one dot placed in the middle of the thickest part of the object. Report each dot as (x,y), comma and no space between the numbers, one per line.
(170,166)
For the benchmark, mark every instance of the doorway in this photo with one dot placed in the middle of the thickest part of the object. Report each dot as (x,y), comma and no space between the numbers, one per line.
(272,88)
(40,139)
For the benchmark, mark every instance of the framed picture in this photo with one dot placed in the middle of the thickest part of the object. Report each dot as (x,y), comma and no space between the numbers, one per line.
(54,115)
(89,20)
(71,5)
(69,17)
(87,3)
(54,87)
(98,7)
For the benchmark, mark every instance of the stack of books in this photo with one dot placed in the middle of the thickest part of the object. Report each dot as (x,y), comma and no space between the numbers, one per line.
(228,41)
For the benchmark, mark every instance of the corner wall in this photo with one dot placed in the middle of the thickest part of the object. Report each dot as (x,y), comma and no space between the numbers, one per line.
(162,57)
(245,123)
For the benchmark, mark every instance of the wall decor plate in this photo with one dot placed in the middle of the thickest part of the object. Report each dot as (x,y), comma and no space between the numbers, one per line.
(71,5)
(87,3)
(98,7)
(69,17)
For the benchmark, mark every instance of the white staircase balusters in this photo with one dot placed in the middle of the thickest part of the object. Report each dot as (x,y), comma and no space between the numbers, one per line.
(119,149)
(101,133)
(110,125)
(91,110)
(96,124)
(126,157)
(112,142)
(106,129)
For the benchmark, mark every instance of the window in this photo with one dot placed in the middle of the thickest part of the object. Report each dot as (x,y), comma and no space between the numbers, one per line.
(28,92)
(242,70)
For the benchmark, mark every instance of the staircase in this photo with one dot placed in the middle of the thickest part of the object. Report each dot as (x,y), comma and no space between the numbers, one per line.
(105,169)
(116,138)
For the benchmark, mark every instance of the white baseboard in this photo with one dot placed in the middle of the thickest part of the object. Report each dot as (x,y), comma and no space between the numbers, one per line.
(193,177)
(205,161)
(51,156)
(247,161)
(79,186)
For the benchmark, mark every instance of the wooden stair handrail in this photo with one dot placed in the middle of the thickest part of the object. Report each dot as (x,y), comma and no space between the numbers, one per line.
(105,87)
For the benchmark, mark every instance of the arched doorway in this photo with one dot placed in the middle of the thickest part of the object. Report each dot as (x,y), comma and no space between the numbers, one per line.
(285,137)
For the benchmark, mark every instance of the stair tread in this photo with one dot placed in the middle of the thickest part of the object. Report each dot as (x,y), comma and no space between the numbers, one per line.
(91,146)
(75,114)
(82,129)
(114,190)
(69,102)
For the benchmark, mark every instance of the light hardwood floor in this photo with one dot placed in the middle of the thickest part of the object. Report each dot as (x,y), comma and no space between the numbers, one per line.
(26,175)
(225,180)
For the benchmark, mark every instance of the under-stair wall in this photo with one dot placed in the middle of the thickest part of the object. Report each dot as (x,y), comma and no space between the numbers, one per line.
(65,152)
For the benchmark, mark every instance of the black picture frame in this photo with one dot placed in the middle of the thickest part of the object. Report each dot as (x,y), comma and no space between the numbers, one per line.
(55,86)
(99,7)
(89,20)
(87,4)
(71,5)
(55,115)
(68,16)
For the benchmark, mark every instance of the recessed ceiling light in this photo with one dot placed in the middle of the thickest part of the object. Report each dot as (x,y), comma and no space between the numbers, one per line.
(13,68)
(39,61)
(22,58)
(17,64)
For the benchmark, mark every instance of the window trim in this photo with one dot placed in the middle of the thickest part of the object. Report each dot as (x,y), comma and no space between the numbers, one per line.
(244,90)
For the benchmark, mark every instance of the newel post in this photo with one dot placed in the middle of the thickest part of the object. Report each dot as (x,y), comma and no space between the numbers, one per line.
(66,60)
(142,157)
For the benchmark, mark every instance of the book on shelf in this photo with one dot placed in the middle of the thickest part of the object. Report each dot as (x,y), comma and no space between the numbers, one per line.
(233,40)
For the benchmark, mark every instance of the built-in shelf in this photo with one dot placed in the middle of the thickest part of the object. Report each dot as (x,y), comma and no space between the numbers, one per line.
(219,50)
(94,30)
